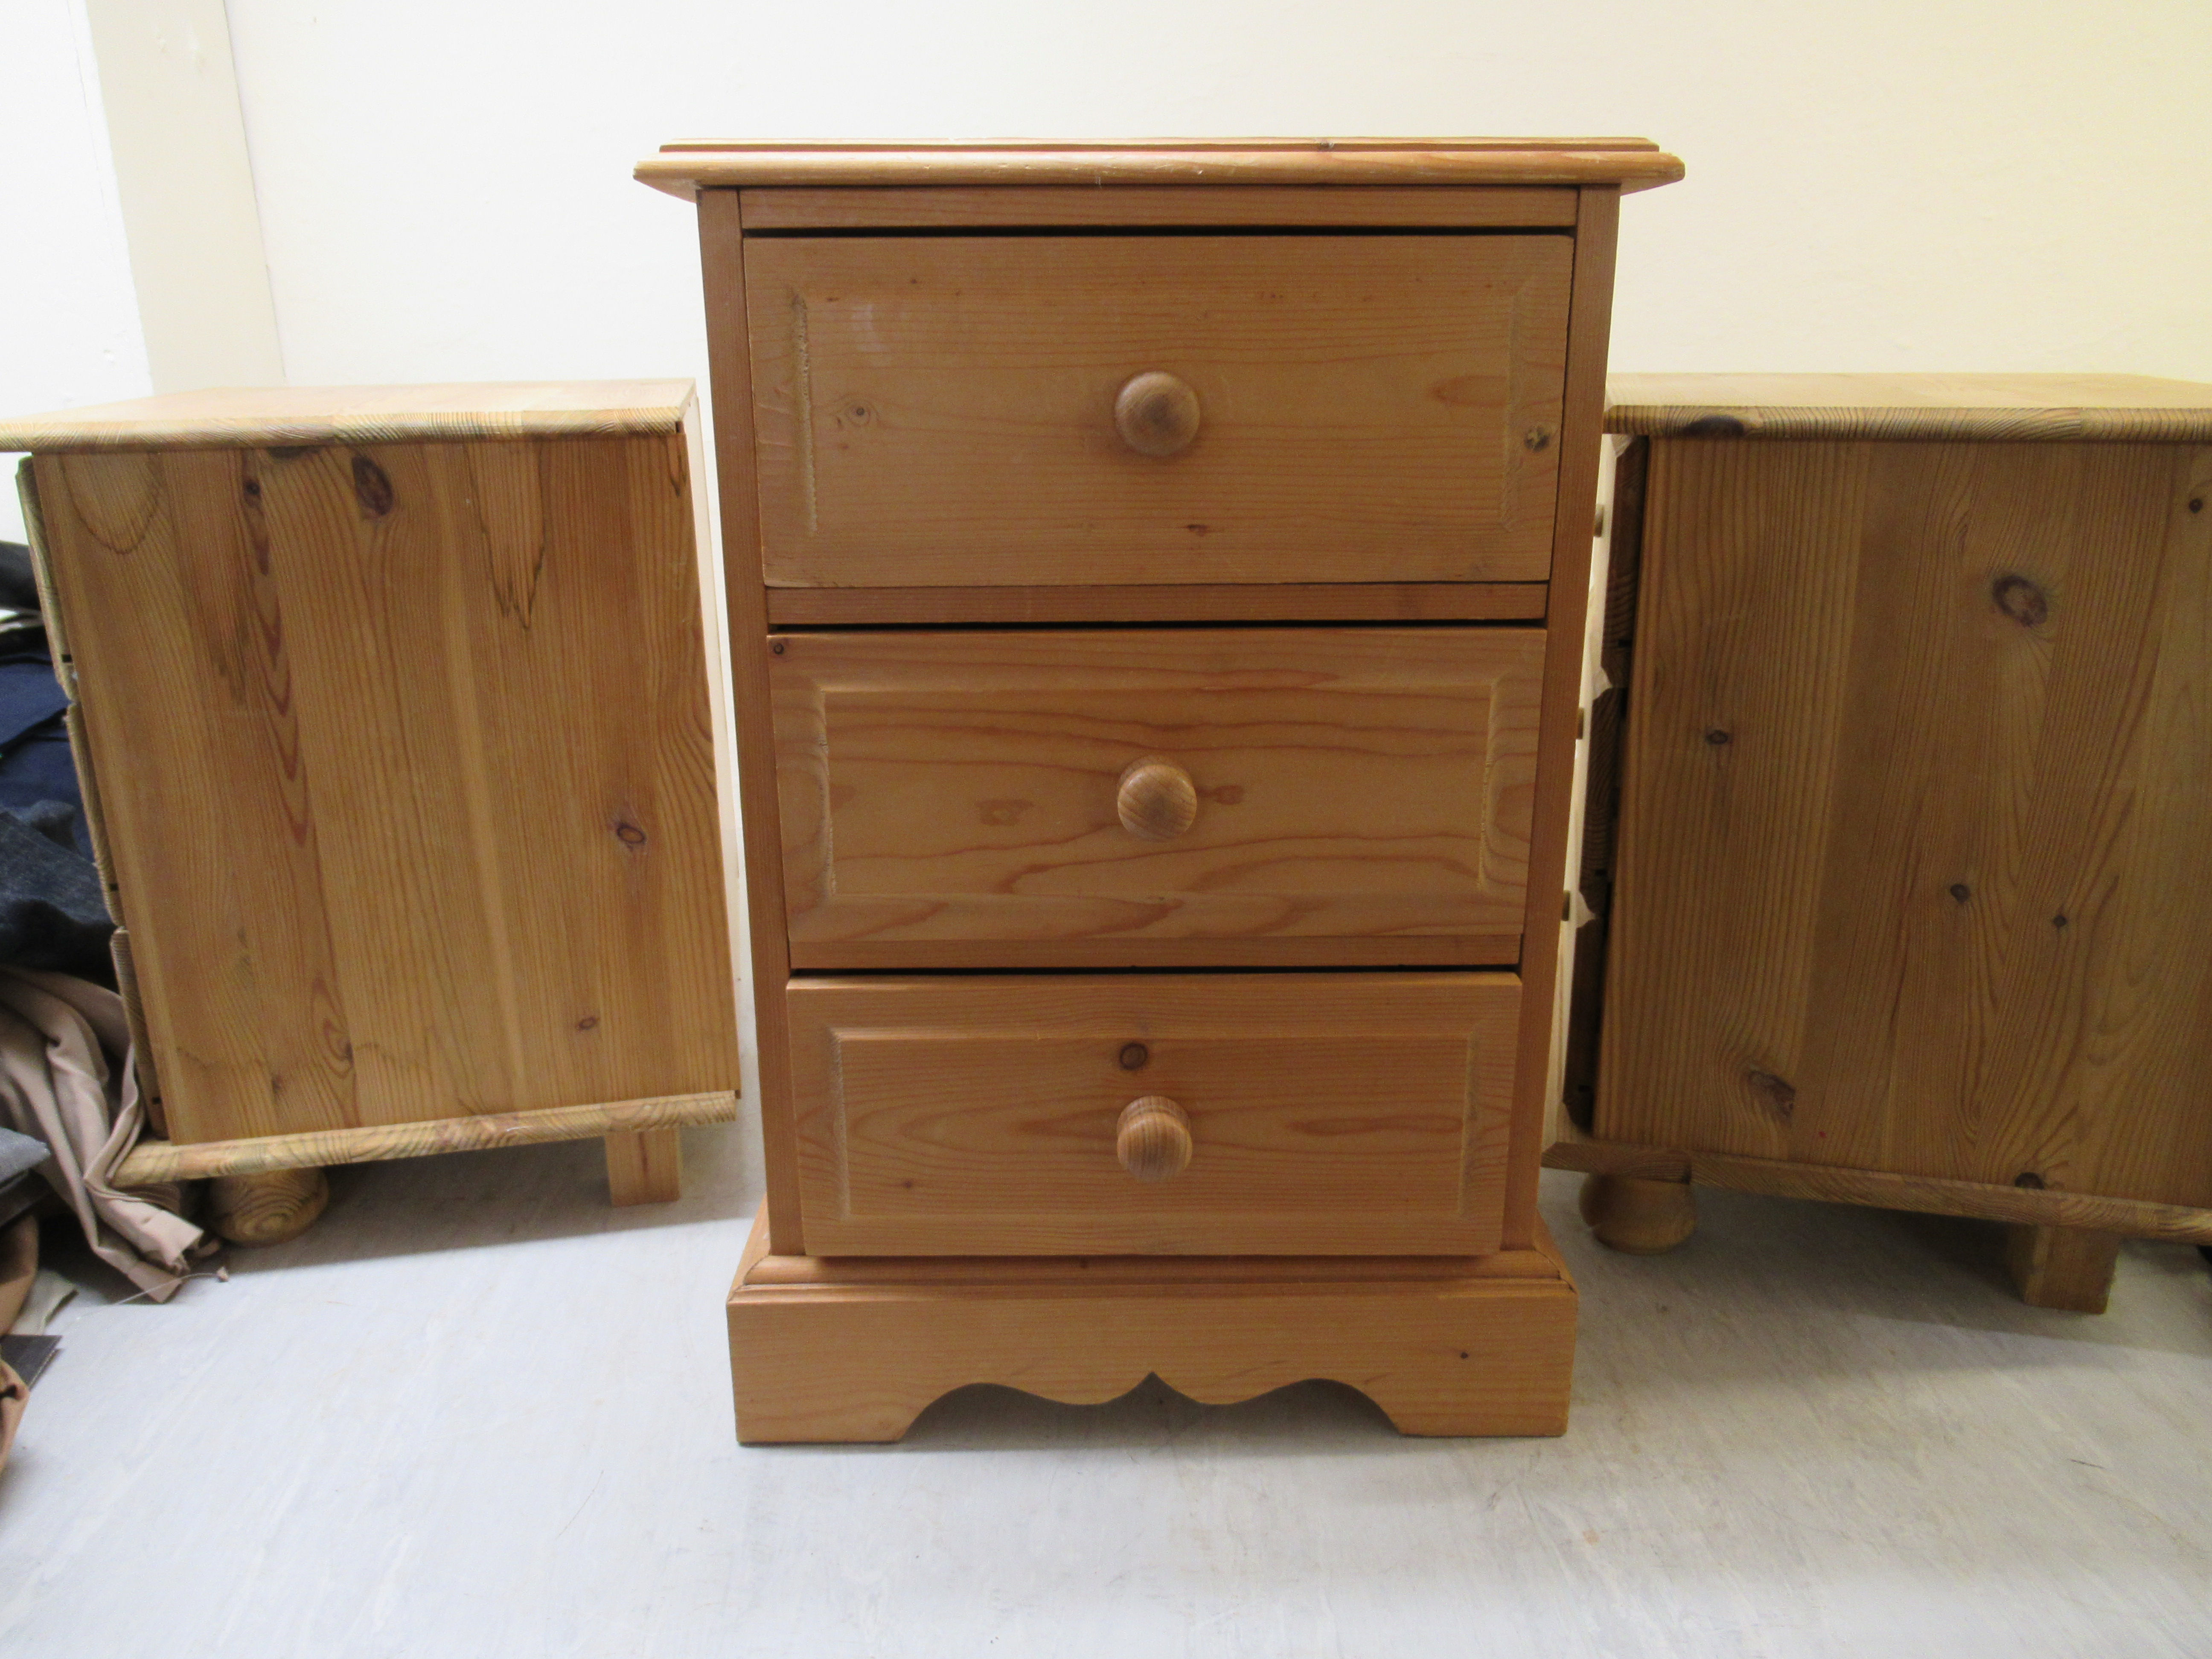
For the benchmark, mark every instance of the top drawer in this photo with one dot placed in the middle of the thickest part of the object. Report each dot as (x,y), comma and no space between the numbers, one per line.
(943,410)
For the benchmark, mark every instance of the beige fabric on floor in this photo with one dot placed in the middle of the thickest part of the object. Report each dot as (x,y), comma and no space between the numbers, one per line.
(65,1078)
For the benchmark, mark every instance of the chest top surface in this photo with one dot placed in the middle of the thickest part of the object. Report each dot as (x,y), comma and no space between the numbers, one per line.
(687,166)
(244,417)
(1809,407)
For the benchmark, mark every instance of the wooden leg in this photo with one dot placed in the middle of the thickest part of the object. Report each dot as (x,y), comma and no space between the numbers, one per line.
(19,1265)
(645,1167)
(1638,1217)
(2067,1268)
(271,1208)
(826,1350)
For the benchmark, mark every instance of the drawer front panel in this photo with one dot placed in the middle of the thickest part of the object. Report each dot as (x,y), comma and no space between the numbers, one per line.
(1229,797)
(935,410)
(1359,1114)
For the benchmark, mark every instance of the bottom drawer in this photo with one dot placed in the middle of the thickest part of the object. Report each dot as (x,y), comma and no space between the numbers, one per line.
(1319,1113)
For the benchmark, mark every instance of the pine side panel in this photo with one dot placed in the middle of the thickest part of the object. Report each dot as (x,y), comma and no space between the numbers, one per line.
(723,257)
(357,712)
(1916,792)
(1573,530)
(186,667)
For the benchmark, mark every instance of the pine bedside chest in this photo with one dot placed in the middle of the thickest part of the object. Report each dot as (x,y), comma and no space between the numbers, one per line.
(393,708)
(1915,786)
(1157,574)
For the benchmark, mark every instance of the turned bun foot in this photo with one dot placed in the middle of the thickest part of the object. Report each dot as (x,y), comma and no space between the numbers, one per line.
(1638,1217)
(271,1208)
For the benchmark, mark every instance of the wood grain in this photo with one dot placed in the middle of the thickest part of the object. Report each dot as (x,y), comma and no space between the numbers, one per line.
(2055,408)
(1596,233)
(1636,1215)
(1917,788)
(273,1207)
(697,165)
(1329,1114)
(1047,206)
(153,1162)
(2062,1266)
(1073,1271)
(1572,1149)
(89,809)
(355,713)
(940,410)
(1110,951)
(859,1360)
(722,259)
(942,792)
(645,1166)
(1883,1189)
(276,416)
(1151,1139)
(1349,602)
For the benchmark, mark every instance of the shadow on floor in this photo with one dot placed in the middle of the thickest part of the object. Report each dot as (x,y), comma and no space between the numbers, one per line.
(472,1200)
(1759,1261)
(1314,1418)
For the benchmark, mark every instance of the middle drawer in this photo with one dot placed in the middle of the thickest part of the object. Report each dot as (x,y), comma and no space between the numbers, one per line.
(1158,798)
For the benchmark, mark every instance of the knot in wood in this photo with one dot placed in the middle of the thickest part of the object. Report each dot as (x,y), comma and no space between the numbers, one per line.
(1777,1095)
(372,487)
(2024,601)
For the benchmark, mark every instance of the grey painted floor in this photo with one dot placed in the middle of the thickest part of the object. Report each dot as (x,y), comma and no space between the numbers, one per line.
(476,1413)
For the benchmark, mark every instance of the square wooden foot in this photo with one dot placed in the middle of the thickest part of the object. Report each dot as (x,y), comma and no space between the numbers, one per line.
(849,1349)
(646,1166)
(2068,1267)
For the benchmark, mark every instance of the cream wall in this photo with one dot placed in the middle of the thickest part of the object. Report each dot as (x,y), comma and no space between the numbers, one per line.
(186,189)
(134,260)
(1951,184)
(68,317)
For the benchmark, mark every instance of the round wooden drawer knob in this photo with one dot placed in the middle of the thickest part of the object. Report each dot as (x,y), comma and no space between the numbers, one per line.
(1156,800)
(1154,1139)
(1156,414)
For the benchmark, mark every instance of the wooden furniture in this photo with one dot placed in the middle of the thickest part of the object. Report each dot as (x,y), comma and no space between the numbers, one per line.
(1907,904)
(1156,578)
(394,715)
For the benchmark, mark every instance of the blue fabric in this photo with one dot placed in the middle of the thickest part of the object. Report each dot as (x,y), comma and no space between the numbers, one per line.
(30,695)
(52,912)
(38,771)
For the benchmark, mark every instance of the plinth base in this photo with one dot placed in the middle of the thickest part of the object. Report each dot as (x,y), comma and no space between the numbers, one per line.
(853,1349)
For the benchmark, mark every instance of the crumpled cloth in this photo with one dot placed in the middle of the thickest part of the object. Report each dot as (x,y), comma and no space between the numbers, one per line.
(65,1077)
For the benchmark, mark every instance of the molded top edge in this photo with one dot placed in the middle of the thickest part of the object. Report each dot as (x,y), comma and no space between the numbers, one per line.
(251,416)
(689,165)
(2051,407)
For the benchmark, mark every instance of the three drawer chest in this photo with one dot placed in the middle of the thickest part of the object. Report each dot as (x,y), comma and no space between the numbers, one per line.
(1156,577)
